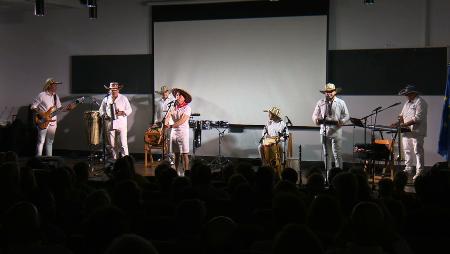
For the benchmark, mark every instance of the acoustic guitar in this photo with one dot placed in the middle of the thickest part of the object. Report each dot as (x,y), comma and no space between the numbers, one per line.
(43,119)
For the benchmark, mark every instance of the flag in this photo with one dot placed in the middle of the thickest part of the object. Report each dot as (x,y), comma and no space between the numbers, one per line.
(444,134)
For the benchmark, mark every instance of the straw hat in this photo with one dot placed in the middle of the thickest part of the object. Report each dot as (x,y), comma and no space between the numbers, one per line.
(330,87)
(114,86)
(49,82)
(274,111)
(408,89)
(186,95)
(163,89)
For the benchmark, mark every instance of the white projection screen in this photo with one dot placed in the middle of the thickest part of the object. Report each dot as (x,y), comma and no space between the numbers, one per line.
(236,68)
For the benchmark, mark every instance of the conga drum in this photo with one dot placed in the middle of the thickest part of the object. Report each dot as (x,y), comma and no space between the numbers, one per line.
(93,123)
(272,153)
(153,136)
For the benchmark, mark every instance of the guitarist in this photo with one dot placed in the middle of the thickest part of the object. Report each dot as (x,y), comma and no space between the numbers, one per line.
(47,101)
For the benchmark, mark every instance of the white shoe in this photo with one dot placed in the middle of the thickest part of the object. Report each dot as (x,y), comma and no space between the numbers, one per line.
(408,171)
(418,173)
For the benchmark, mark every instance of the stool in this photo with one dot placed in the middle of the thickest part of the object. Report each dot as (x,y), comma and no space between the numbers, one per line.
(148,153)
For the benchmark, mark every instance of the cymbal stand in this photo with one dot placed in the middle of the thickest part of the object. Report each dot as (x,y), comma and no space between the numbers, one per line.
(220,160)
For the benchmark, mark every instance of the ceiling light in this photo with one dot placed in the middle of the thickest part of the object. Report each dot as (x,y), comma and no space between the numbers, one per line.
(39,8)
(91,3)
(92,12)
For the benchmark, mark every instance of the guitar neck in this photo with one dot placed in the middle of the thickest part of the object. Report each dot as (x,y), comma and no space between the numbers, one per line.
(54,113)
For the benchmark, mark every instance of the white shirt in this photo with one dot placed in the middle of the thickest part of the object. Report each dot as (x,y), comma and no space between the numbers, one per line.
(44,101)
(161,107)
(178,113)
(122,104)
(339,113)
(275,129)
(416,110)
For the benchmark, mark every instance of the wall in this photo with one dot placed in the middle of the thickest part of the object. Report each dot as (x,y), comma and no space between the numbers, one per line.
(33,48)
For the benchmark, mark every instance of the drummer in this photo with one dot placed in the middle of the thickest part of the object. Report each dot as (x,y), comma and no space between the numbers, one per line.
(274,131)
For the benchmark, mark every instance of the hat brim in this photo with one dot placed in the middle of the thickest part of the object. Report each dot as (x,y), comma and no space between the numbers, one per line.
(186,95)
(159,92)
(109,88)
(406,92)
(277,115)
(338,90)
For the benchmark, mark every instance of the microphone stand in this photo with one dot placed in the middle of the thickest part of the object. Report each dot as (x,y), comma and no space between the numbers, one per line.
(104,131)
(285,137)
(325,141)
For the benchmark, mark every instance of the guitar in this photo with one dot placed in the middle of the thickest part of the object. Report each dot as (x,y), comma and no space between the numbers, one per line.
(42,119)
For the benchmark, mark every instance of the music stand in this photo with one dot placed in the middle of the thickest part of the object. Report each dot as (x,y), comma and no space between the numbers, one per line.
(356,122)
(220,160)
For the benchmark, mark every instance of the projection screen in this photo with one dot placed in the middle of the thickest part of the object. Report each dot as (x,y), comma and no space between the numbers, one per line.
(236,68)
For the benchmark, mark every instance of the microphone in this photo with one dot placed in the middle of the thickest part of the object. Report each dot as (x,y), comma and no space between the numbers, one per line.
(395,104)
(288,121)
(378,108)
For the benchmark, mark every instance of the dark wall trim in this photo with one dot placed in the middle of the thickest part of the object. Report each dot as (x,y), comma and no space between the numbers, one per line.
(253,9)
(387,71)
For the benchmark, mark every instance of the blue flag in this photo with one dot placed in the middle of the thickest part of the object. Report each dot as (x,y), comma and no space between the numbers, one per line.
(445,130)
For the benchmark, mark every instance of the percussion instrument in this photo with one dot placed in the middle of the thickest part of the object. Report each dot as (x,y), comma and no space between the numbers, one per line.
(272,153)
(192,123)
(206,124)
(268,141)
(153,136)
(93,126)
(219,124)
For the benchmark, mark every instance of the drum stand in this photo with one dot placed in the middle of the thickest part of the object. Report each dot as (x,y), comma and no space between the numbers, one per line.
(95,157)
(220,160)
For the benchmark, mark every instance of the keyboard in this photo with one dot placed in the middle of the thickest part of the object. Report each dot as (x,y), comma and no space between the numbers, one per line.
(387,128)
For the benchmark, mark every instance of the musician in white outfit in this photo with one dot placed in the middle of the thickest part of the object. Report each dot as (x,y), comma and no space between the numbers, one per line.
(413,117)
(162,104)
(331,113)
(180,128)
(276,131)
(116,108)
(46,100)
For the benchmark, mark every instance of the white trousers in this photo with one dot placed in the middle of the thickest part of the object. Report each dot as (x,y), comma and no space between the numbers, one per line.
(46,136)
(333,146)
(414,152)
(116,148)
(180,140)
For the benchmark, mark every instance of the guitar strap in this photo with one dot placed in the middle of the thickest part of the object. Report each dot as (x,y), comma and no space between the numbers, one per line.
(54,100)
